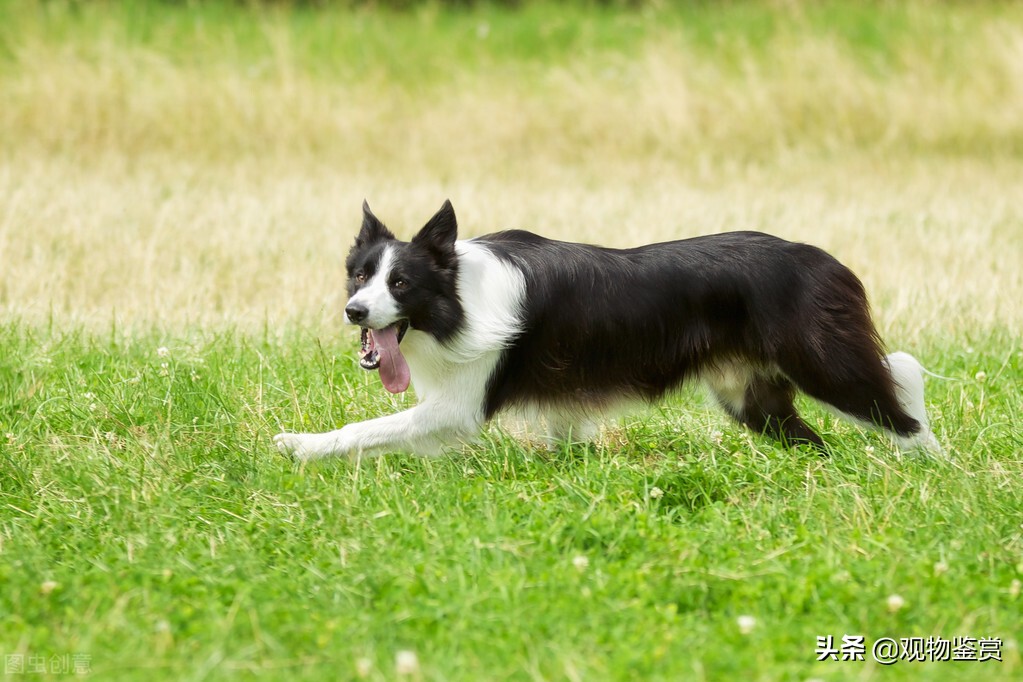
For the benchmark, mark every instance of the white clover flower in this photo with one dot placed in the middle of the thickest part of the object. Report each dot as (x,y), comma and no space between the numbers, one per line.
(406,663)
(940,567)
(48,586)
(895,603)
(656,493)
(363,667)
(746,624)
(163,351)
(717,437)
(981,376)
(581,563)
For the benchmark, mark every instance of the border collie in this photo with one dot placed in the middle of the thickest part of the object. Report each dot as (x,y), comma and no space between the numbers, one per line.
(515,321)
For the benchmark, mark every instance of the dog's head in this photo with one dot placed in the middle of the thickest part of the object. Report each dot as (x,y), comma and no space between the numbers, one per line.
(394,286)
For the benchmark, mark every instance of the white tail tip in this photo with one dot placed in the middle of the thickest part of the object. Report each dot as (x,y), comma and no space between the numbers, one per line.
(908,375)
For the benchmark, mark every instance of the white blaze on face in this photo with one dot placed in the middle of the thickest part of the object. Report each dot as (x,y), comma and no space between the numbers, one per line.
(375,295)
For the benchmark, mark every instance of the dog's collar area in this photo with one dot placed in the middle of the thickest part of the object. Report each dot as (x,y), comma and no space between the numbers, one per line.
(369,355)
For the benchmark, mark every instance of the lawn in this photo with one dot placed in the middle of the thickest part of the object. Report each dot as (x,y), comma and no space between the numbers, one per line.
(178,188)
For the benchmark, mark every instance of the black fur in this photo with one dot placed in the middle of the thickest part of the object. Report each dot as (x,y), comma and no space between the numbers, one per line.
(602,323)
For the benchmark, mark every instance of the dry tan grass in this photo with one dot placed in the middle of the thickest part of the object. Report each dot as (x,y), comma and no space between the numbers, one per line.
(144,190)
(938,247)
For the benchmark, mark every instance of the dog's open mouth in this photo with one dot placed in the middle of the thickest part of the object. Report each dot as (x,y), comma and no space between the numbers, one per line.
(380,351)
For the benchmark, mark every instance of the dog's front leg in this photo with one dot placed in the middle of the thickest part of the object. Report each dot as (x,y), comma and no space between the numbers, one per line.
(421,430)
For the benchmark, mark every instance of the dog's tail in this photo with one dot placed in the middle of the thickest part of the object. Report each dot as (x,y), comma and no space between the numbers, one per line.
(908,376)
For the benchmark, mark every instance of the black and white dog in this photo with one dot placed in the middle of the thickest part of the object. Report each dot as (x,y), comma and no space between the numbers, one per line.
(514,321)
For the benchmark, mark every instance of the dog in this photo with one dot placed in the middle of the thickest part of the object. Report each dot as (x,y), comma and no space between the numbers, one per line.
(516,321)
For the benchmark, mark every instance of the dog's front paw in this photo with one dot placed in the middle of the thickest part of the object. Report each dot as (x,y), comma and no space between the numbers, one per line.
(299,446)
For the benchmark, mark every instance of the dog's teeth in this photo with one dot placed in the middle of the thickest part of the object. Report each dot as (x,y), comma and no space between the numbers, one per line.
(370,360)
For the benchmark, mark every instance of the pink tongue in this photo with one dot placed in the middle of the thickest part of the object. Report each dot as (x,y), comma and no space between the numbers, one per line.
(394,370)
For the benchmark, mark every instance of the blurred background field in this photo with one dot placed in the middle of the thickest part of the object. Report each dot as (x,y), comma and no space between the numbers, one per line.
(173,164)
(180,181)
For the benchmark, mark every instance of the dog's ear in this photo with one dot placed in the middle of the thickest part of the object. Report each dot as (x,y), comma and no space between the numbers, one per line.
(438,236)
(372,229)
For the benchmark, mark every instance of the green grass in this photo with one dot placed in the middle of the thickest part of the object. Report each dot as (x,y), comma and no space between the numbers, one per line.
(147,522)
(196,168)
(336,40)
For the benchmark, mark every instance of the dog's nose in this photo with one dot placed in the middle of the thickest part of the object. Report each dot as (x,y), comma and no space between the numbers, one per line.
(356,312)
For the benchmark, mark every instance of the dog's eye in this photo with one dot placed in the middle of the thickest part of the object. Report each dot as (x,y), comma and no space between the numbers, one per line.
(360,277)
(401,283)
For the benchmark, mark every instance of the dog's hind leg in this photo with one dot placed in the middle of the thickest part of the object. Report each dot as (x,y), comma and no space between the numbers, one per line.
(768,407)
(764,404)
(569,426)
